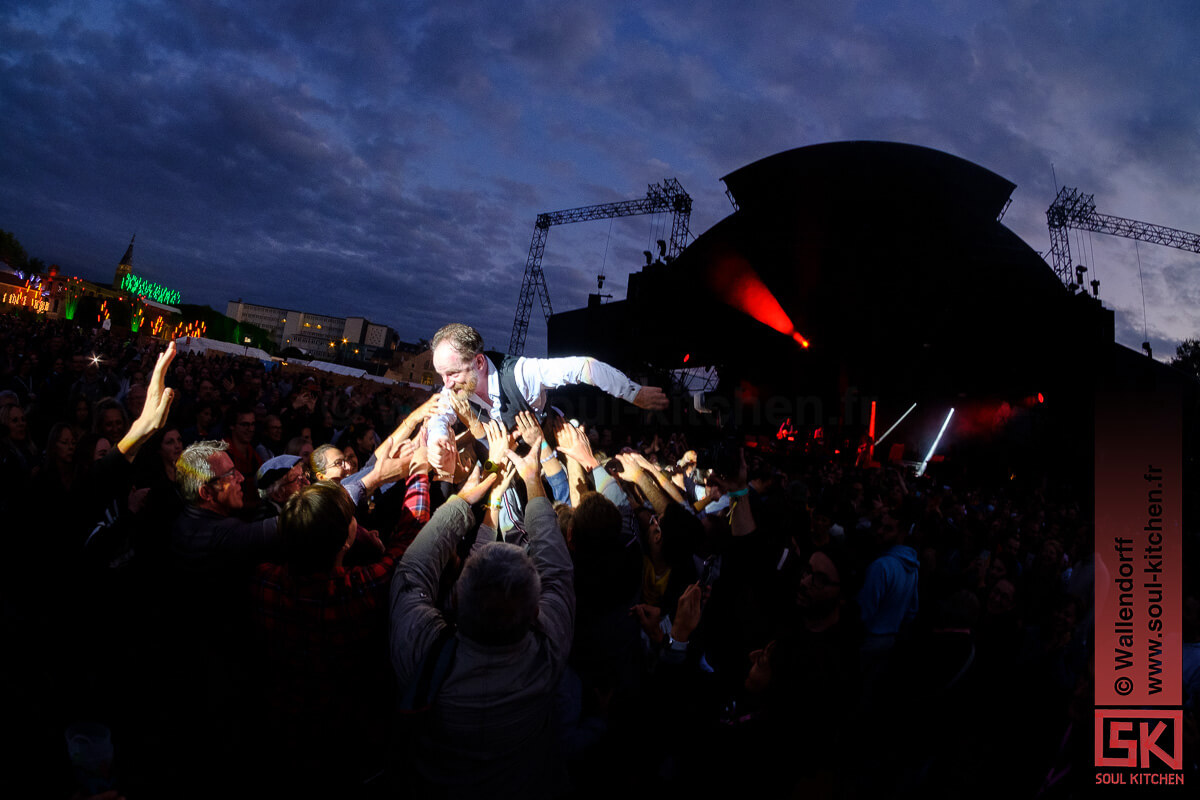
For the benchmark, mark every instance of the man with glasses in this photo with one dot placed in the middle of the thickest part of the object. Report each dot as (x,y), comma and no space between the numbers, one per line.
(208,538)
(241,448)
(209,567)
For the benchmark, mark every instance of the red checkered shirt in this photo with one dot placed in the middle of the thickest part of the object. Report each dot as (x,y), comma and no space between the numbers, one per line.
(323,636)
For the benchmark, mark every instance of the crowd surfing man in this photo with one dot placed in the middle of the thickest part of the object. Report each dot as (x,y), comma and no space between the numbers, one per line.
(519,385)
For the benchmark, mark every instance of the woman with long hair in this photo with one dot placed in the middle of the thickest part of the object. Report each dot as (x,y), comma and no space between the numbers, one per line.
(57,468)
(155,463)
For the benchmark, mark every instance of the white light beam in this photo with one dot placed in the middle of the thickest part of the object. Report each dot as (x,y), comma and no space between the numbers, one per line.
(929,455)
(894,424)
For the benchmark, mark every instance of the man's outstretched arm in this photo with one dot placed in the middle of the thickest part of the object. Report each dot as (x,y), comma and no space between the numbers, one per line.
(535,375)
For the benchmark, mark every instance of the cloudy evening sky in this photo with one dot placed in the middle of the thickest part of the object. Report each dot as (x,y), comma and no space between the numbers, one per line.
(388,159)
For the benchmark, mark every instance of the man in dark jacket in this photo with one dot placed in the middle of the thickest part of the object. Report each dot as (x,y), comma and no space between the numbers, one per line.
(492,731)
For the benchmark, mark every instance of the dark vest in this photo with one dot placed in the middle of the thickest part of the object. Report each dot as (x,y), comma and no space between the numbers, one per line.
(512,402)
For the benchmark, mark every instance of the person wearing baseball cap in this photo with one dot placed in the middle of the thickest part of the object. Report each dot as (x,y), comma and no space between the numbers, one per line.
(278,479)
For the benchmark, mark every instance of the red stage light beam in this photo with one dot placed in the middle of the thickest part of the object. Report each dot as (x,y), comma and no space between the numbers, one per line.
(736,282)
(871,433)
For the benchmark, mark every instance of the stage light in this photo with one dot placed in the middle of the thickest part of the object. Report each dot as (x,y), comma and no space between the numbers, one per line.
(897,422)
(929,455)
(736,282)
(686,356)
(1041,398)
(871,433)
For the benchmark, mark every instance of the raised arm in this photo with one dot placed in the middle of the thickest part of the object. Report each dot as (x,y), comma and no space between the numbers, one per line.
(548,549)
(532,434)
(741,519)
(460,404)
(664,482)
(580,461)
(634,472)
(154,412)
(415,620)
(413,421)
(535,375)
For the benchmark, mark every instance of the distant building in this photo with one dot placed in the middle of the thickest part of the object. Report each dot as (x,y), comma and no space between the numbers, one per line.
(318,335)
(414,365)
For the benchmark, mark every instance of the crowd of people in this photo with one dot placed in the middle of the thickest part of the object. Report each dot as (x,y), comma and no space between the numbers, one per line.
(276,582)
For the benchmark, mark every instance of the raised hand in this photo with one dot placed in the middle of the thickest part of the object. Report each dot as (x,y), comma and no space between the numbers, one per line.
(631,470)
(644,462)
(394,463)
(651,398)
(476,486)
(527,466)
(530,471)
(529,430)
(500,488)
(574,444)
(460,405)
(443,456)
(499,441)
(154,412)
(416,417)
(158,397)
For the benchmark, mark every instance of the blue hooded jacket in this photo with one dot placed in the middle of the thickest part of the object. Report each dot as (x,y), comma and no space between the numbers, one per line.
(889,594)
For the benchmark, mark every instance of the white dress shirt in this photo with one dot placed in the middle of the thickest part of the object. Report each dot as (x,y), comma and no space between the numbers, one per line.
(533,377)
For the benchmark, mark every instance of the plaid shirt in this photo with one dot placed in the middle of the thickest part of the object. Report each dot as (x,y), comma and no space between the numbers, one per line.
(323,636)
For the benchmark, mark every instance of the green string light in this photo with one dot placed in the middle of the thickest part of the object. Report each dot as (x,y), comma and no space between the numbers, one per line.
(148,289)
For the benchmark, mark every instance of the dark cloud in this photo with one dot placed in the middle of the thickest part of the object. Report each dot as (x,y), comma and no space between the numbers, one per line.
(390,159)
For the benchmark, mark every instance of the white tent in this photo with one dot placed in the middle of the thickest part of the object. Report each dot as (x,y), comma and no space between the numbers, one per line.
(198,344)
(339,369)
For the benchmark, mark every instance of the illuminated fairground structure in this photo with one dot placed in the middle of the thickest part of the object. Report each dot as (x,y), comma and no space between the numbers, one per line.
(131,302)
